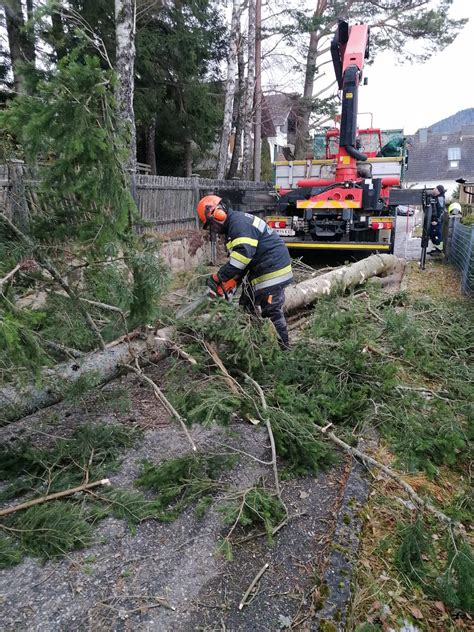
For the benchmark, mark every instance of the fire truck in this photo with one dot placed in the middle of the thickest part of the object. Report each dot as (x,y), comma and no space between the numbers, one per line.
(340,200)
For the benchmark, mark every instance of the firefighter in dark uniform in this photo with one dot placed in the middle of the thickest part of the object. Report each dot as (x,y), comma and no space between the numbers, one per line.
(255,252)
(438,193)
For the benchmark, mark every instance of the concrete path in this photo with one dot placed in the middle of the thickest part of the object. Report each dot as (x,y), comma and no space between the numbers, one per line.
(406,246)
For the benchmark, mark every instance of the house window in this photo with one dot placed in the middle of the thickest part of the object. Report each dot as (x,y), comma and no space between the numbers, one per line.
(454,153)
(453,164)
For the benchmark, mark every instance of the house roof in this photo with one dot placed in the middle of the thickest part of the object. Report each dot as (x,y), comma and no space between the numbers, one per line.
(429,160)
(275,110)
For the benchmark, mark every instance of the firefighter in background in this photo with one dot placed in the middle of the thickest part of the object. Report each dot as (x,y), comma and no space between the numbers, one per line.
(439,193)
(255,252)
(455,209)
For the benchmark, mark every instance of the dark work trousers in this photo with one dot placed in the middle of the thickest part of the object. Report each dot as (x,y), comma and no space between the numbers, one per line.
(271,305)
(436,231)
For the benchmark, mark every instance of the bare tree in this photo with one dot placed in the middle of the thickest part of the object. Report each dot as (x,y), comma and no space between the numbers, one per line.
(20,41)
(239,106)
(257,153)
(125,27)
(229,87)
(309,78)
(151,146)
(249,97)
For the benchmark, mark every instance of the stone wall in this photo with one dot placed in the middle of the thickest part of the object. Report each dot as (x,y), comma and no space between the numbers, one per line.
(185,251)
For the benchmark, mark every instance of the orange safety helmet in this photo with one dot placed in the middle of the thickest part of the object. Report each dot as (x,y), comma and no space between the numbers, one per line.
(210,207)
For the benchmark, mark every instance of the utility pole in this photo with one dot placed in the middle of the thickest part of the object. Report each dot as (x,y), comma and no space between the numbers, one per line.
(257,147)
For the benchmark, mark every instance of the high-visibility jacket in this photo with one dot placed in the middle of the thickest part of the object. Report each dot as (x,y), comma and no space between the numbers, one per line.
(255,249)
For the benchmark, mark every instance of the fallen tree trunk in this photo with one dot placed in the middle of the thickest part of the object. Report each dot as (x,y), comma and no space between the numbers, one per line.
(19,401)
(338,280)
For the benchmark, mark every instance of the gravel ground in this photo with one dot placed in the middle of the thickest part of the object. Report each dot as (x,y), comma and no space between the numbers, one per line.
(168,576)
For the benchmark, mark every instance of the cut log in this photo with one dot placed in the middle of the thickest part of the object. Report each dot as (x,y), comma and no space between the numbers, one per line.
(337,281)
(19,401)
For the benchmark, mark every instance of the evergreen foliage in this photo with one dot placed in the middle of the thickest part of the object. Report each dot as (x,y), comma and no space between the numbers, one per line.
(332,375)
(41,470)
(83,192)
(50,530)
(447,576)
(56,527)
(178,482)
(179,50)
(255,508)
(80,218)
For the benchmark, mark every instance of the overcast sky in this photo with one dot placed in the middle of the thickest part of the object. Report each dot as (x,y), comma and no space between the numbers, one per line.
(414,96)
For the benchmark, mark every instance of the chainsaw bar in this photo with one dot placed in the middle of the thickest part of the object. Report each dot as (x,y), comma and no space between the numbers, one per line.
(188,309)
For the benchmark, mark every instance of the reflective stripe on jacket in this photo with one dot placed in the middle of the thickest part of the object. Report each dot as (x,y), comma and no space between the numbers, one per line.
(255,249)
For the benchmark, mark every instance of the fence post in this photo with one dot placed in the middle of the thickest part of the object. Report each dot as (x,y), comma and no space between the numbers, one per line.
(195,187)
(448,236)
(17,196)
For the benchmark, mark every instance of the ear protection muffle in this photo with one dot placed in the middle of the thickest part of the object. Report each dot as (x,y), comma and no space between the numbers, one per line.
(218,214)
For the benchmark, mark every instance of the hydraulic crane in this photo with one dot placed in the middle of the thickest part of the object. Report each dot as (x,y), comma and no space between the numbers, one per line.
(349,208)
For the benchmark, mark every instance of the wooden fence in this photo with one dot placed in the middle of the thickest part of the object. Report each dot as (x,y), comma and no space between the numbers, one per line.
(165,203)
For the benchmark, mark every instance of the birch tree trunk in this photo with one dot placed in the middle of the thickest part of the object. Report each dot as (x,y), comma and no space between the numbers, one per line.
(19,401)
(257,149)
(229,87)
(125,26)
(248,117)
(239,108)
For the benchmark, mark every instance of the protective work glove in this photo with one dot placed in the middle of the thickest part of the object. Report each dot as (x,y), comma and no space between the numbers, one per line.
(222,289)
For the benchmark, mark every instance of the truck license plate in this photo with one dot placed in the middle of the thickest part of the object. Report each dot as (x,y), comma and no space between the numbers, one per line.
(285,232)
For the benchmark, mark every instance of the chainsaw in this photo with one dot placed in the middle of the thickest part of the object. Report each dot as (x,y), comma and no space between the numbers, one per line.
(227,290)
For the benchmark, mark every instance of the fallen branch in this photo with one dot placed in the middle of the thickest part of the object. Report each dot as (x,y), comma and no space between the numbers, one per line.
(285,521)
(10,275)
(48,497)
(243,601)
(178,350)
(233,385)
(423,390)
(68,351)
(160,396)
(368,460)
(268,426)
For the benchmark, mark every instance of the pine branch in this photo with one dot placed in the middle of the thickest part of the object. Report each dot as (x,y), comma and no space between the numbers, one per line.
(48,497)
(67,351)
(368,460)
(50,267)
(178,350)
(233,385)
